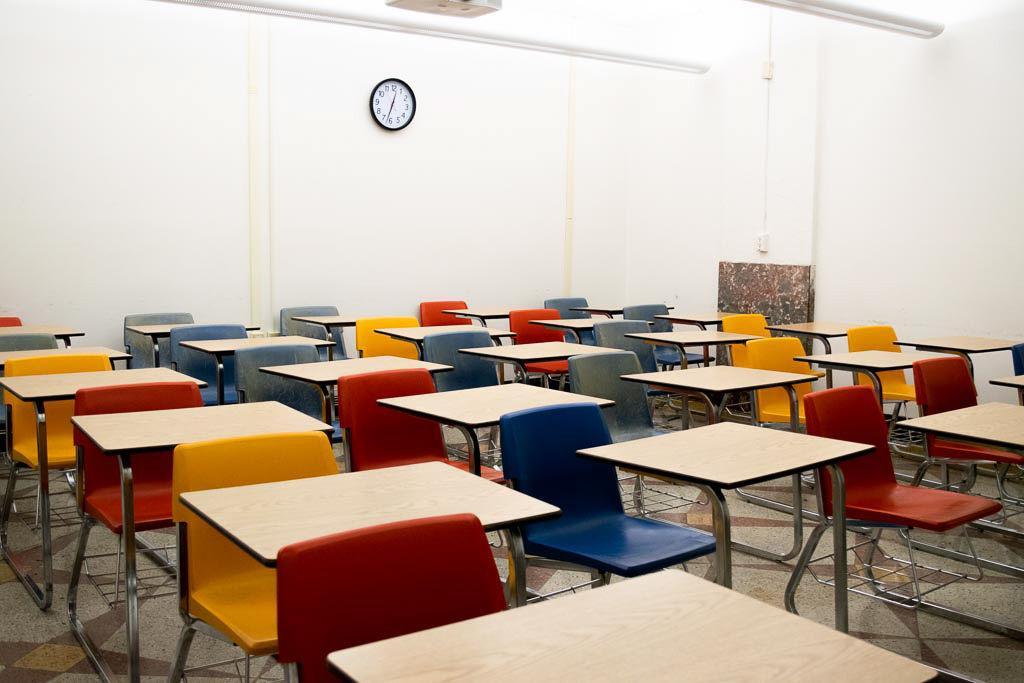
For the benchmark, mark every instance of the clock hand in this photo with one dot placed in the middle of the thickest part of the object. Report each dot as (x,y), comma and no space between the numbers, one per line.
(392,106)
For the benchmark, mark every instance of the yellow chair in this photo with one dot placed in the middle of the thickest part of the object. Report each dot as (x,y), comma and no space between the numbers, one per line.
(753,324)
(369,343)
(24,450)
(777,353)
(881,338)
(220,584)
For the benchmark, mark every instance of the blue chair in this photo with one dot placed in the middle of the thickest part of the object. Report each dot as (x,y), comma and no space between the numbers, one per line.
(140,346)
(562,305)
(1018,359)
(203,365)
(539,448)
(667,356)
(301,329)
(470,372)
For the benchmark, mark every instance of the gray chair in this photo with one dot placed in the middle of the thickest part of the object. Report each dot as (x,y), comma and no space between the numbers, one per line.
(667,356)
(612,335)
(563,306)
(296,327)
(203,365)
(470,372)
(600,375)
(140,346)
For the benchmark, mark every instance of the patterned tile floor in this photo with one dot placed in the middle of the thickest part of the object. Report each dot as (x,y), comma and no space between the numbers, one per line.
(37,646)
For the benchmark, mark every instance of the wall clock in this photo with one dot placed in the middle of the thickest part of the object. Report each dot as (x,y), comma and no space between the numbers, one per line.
(392,104)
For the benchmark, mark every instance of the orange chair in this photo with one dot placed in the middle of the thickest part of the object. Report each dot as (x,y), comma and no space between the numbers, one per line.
(353,588)
(894,382)
(55,452)
(370,343)
(432,313)
(527,333)
(778,353)
(220,585)
(753,324)
(10,321)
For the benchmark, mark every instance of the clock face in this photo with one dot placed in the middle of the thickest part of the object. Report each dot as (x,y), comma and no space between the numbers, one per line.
(392,104)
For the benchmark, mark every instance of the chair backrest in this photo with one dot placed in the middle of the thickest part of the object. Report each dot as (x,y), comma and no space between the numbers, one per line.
(101,471)
(943,384)
(852,414)
(323,587)
(239,461)
(778,353)
(369,343)
(1018,359)
(648,312)
(600,375)
(253,385)
(875,338)
(432,313)
(58,413)
(564,304)
(10,321)
(753,324)
(203,365)
(612,334)
(288,326)
(141,345)
(27,342)
(470,372)
(377,436)
(528,333)
(538,450)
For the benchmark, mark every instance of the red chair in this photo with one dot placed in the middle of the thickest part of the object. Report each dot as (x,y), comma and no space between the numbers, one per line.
(944,384)
(527,333)
(355,587)
(99,477)
(432,313)
(10,321)
(873,496)
(377,436)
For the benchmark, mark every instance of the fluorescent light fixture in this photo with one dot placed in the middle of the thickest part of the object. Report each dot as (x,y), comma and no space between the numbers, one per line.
(859,14)
(329,11)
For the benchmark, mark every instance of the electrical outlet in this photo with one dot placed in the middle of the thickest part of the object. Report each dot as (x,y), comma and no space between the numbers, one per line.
(768,70)
(762,243)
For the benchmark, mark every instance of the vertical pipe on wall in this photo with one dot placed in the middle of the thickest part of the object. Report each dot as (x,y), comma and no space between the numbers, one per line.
(258,128)
(570,161)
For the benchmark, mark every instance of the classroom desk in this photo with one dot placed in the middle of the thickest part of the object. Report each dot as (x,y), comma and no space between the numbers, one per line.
(264,518)
(37,390)
(470,409)
(522,355)
(699,320)
(163,331)
(822,331)
(868,362)
(570,325)
(417,334)
(63,333)
(681,340)
(327,322)
(665,626)
(601,310)
(1014,383)
(128,435)
(727,456)
(481,314)
(221,348)
(961,346)
(112,354)
(325,374)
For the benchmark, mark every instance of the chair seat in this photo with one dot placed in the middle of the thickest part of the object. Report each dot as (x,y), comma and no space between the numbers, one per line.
(586,337)
(623,545)
(668,355)
(152,506)
(898,391)
(778,413)
(243,607)
(939,448)
(209,394)
(554,367)
(60,453)
(921,508)
(638,433)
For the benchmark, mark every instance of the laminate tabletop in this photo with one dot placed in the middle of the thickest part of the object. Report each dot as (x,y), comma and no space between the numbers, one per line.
(702,318)
(814,329)
(264,518)
(535,353)
(666,626)
(720,379)
(995,424)
(164,330)
(417,334)
(695,338)
(484,406)
(482,313)
(327,320)
(870,360)
(229,346)
(55,330)
(63,386)
(604,310)
(568,323)
(961,344)
(1016,382)
(112,354)
(325,373)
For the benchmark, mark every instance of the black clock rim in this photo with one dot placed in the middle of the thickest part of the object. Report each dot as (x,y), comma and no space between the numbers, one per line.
(414,107)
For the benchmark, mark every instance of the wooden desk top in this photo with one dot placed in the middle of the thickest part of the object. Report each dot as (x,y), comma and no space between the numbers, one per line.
(229,346)
(603,310)
(695,338)
(704,318)
(327,320)
(995,424)
(484,406)
(417,334)
(113,354)
(55,330)
(165,330)
(327,373)
(569,323)
(483,313)
(535,353)
(870,360)
(726,454)
(64,385)
(1015,382)
(666,626)
(963,344)
(814,329)
(719,379)
(264,518)
(159,429)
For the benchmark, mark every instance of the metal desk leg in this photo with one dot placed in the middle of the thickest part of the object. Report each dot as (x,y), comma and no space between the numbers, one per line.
(328,397)
(723,536)
(575,335)
(419,348)
(156,352)
(220,379)
(707,349)
(839,546)
(877,382)
(828,371)
(683,363)
(516,567)
(1020,395)
(131,588)
(474,448)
